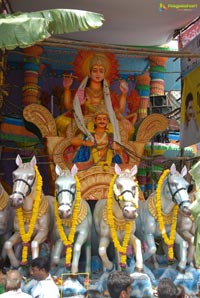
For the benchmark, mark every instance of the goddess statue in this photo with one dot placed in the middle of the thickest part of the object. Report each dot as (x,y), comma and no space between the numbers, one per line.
(92,93)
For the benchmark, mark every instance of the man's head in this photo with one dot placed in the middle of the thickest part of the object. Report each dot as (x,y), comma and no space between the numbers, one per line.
(39,268)
(101,120)
(13,280)
(119,284)
(189,106)
(166,288)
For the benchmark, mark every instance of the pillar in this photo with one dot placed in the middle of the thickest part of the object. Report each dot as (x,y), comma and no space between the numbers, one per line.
(157,70)
(31,74)
(143,88)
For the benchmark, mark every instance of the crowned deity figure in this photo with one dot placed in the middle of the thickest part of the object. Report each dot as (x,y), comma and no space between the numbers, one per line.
(93,92)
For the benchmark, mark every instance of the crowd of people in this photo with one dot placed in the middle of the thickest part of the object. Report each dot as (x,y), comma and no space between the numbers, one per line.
(43,285)
(119,285)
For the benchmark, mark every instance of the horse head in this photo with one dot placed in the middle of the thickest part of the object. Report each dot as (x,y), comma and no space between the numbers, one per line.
(175,188)
(126,192)
(65,185)
(23,181)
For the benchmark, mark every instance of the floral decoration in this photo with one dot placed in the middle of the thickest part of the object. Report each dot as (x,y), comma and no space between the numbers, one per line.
(68,241)
(169,241)
(128,228)
(26,236)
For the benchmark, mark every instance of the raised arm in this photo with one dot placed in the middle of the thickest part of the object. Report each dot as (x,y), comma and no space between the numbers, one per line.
(67,83)
(123,86)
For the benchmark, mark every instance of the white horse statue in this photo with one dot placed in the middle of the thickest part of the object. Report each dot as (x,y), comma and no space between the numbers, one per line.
(6,219)
(73,220)
(157,216)
(32,221)
(115,219)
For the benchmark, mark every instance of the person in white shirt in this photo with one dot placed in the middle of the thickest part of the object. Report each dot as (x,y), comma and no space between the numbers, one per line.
(45,286)
(13,285)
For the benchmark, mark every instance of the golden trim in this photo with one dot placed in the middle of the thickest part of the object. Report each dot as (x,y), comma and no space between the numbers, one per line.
(3,200)
(152,209)
(120,224)
(44,204)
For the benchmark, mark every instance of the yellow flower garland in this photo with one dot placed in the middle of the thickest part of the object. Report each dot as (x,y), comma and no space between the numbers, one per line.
(26,237)
(121,248)
(168,240)
(68,241)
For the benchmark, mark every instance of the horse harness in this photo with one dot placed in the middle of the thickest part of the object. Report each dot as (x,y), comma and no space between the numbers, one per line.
(174,194)
(152,209)
(27,184)
(118,200)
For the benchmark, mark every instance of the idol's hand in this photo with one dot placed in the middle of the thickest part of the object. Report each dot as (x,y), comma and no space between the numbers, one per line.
(88,143)
(123,86)
(67,82)
(116,147)
(127,124)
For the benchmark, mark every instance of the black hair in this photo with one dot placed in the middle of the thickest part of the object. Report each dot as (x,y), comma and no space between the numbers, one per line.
(166,288)
(117,282)
(189,98)
(41,263)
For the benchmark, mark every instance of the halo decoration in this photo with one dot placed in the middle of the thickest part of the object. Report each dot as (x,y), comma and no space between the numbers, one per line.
(81,64)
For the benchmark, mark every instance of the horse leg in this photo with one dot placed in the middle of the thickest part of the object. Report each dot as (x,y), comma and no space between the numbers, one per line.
(137,248)
(88,255)
(81,239)
(103,245)
(183,253)
(6,236)
(56,253)
(188,235)
(41,235)
(35,246)
(155,262)
(151,246)
(189,238)
(191,254)
(8,247)
(117,256)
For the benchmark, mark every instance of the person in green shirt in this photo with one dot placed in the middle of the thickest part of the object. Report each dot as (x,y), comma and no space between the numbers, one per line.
(2,281)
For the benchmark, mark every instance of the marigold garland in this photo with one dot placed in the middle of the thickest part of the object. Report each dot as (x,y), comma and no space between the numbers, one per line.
(169,241)
(68,241)
(26,237)
(121,248)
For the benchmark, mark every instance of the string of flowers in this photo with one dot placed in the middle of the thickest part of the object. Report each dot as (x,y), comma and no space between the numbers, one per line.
(169,241)
(26,236)
(121,248)
(68,241)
